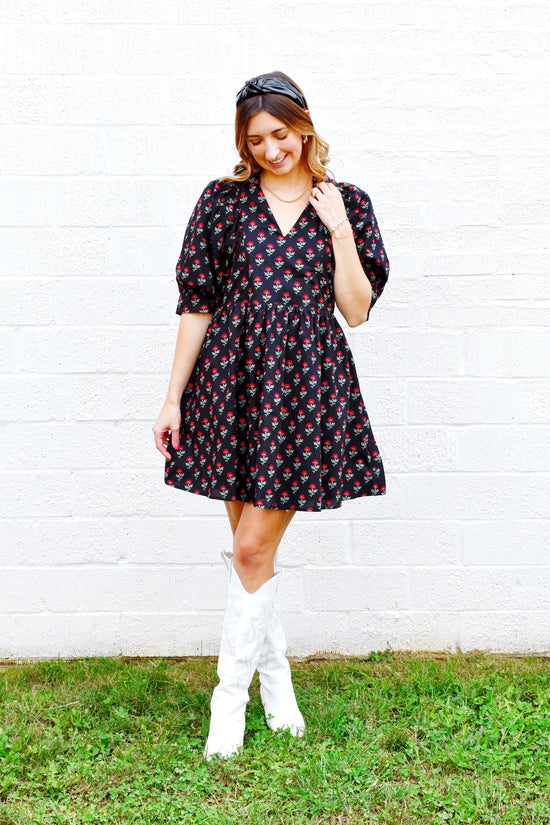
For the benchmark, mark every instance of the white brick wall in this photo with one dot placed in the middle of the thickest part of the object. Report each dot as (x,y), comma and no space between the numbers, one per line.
(112,118)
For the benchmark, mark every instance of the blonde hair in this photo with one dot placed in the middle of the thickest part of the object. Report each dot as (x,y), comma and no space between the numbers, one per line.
(292,115)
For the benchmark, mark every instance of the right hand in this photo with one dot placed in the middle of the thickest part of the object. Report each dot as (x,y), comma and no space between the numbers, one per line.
(167,425)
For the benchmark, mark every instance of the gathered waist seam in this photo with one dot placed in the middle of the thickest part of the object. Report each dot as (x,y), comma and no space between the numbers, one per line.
(285,307)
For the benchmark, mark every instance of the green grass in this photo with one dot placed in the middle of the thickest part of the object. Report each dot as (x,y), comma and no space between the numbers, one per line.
(390,739)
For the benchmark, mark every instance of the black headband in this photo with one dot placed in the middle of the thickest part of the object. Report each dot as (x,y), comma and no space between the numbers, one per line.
(271,85)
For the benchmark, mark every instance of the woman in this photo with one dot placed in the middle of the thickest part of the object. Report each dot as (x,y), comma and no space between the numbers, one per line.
(263,408)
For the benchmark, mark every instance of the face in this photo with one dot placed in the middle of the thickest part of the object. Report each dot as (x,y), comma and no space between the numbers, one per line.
(274,146)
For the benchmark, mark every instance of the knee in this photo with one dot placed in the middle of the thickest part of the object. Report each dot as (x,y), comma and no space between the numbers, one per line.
(249,551)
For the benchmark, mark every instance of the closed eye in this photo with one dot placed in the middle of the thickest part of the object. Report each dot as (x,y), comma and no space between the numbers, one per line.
(257,142)
(253,139)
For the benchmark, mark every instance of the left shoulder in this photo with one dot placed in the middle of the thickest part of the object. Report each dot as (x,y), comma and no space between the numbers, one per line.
(353,195)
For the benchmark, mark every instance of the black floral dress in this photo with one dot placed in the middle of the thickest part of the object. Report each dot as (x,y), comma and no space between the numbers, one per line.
(273,413)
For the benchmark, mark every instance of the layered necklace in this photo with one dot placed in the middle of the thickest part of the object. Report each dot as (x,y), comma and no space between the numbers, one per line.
(285,200)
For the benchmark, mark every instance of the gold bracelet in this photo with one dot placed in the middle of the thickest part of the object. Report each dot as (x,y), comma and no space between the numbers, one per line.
(339,223)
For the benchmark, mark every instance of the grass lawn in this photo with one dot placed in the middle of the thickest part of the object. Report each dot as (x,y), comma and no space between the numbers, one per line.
(394,738)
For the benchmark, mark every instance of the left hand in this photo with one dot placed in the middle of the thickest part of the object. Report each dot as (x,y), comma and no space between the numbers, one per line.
(327,201)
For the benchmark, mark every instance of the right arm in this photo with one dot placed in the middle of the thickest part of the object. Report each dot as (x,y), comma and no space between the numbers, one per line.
(192,329)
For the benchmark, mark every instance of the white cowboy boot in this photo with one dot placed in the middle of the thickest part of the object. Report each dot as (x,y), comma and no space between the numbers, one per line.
(245,623)
(280,706)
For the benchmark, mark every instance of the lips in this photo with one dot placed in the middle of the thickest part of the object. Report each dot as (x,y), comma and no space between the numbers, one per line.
(279,162)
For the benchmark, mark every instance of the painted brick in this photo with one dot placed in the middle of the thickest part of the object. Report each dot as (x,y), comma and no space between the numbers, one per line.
(39,589)
(209,587)
(144,250)
(96,202)
(23,100)
(462,401)
(507,542)
(405,630)
(109,589)
(88,444)
(108,634)
(116,397)
(177,141)
(103,301)
(152,346)
(29,491)
(490,315)
(405,543)
(115,492)
(290,595)
(466,589)
(410,447)
(65,350)
(518,631)
(318,632)
(508,352)
(533,401)
(34,397)
(315,543)
(48,635)
(52,251)
(504,448)
(164,634)
(357,588)
(56,155)
(26,302)
(112,119)
(7,350)
(459,496)
(72,251)
(33,540)
(532,494)
(386,400)
(128,589)
(44,49)
(432,354)
(175,540)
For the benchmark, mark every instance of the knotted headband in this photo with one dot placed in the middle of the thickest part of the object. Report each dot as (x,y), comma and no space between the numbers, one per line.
(271,85)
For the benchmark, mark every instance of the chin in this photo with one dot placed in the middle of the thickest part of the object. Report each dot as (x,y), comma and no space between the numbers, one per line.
(282,170)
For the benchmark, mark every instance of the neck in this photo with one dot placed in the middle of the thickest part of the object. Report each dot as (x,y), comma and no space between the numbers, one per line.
(291,182)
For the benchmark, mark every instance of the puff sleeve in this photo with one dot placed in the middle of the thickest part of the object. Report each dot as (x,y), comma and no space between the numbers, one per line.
(199,265)
(367,238)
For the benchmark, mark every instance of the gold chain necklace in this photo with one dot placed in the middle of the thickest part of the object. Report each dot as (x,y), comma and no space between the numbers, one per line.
(284,200)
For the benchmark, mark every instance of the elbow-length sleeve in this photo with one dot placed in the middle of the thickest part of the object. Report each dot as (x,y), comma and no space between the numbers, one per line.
(200,262)
(368,239)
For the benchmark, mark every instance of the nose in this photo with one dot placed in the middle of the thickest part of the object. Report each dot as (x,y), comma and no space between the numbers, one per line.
(272,151)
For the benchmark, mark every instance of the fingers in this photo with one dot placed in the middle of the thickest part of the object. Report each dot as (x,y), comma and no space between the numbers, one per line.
(162,439)
(326,194)
(318,190)
(327,201)
(167,426)
(324,187)
(175,434)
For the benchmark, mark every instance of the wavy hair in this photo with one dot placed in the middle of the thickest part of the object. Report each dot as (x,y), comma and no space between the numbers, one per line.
(284,109)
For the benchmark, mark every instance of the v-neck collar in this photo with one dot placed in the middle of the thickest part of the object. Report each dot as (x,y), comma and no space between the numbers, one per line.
(302,213)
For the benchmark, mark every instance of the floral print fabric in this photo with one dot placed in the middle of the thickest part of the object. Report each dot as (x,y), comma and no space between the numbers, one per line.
(273,413)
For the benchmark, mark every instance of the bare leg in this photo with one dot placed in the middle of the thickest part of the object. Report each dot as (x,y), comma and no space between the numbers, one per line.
(257,533)
(234,511)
